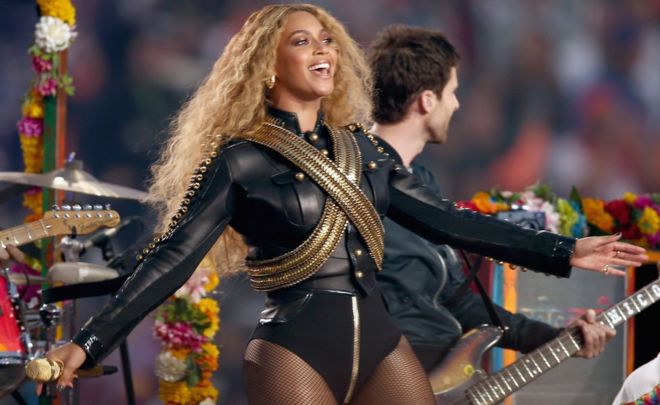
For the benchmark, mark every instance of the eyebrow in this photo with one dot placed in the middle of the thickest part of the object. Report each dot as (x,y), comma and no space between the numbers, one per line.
(323,31)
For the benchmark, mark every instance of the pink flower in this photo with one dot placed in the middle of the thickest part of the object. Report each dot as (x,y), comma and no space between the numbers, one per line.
(40,65)
(643,201)
(178,334)
(47,87)
(654,240)
(31,127)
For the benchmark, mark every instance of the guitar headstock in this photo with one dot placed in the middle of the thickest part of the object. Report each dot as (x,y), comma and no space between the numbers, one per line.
(81,219)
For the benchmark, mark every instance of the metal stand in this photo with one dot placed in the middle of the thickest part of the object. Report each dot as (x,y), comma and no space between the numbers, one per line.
(126,371)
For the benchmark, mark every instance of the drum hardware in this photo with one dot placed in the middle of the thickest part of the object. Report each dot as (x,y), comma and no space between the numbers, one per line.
(15,343)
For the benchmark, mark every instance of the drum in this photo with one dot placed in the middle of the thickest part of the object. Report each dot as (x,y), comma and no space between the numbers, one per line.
(13,354)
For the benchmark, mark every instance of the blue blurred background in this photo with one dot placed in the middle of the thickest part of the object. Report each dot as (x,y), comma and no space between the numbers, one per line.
(557,90)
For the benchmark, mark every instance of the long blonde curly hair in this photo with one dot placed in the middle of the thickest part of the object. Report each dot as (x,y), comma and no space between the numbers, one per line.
(232,100)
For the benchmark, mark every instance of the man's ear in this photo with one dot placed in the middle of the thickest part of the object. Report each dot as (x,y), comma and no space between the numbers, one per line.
(426,101)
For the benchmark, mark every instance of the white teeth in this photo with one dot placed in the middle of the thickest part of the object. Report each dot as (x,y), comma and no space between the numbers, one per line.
(324,65)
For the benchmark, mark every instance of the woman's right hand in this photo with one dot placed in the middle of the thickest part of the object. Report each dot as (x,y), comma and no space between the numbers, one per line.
(72,356)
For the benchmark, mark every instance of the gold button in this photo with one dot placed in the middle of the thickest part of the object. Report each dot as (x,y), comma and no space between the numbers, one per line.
(380,149)
(372,165)
(325,152)
(313,137)
(300,176)
(351,128)
(358,252)
(359,274)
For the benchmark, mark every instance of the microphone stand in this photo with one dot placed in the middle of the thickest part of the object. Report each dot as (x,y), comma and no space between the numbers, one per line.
(109,255)
(71,249)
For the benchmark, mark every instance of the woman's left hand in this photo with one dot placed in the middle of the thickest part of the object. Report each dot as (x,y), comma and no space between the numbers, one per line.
(600,253)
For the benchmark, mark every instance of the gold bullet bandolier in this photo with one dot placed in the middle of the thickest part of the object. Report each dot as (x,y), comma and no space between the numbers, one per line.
(340,180)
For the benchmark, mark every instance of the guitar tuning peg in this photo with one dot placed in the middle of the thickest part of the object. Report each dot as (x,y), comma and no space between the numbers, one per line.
(66,207)
(87,207)
(98,207)
(76,207)
(55,207)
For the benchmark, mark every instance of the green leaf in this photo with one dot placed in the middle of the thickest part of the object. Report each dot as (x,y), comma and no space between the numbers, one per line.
(194,373)
(575,196)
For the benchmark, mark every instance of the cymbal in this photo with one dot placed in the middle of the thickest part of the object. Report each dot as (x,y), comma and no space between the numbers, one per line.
(73,178)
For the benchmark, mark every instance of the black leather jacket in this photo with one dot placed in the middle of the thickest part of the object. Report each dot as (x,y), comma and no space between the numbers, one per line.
(257,192)
(419,277)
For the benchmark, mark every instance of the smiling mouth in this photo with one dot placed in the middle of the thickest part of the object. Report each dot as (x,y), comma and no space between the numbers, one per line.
(321,69)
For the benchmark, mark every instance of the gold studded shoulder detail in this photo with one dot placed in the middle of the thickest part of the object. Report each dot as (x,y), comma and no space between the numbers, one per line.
(196,181)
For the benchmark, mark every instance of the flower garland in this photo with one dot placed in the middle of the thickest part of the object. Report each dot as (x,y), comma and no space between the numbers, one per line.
(637,217)
(186,325)
(54,32)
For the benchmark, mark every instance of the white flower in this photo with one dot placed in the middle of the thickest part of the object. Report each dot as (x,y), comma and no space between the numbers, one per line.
(53,34)
(169,368)
(207,401)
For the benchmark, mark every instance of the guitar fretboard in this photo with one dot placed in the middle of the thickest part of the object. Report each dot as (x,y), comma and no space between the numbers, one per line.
(58,223)
(505,382)
(23,234)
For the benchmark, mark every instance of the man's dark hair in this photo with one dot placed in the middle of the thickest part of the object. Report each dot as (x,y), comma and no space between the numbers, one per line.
(405,61)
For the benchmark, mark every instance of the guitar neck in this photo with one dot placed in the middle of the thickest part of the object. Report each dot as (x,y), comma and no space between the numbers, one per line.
(510,379)
(23,234)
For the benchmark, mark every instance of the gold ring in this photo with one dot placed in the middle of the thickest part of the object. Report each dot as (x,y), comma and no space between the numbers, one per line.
(606,268)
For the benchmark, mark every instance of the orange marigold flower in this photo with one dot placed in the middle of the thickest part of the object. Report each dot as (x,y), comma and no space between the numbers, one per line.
(594,210)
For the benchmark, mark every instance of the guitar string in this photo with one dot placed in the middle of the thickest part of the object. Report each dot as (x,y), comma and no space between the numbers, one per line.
(37,226)
(572,335)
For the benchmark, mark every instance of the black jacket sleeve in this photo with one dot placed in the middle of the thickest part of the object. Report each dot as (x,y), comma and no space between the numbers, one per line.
(416,207)
(166,267)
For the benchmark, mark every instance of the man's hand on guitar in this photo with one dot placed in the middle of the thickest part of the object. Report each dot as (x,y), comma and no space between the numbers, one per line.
(594,335)
(9,253)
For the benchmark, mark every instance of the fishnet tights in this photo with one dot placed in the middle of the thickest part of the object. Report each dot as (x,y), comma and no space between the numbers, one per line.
(399,379)
(276,376)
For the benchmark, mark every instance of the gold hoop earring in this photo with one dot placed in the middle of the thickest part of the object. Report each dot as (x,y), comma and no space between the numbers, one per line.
(270,83)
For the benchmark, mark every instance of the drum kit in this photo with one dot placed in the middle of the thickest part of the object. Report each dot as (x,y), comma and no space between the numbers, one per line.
(16,322)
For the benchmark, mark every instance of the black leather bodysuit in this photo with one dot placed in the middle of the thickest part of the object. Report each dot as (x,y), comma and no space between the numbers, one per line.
(275,207)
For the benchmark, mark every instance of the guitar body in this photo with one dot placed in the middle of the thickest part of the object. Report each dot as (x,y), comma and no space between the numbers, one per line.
(461,368)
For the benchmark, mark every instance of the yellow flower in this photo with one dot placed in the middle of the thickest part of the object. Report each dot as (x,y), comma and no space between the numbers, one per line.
(62,9)
(33,110)
(202,391)
(180,353)
(208,361)
(649,222)
(596,215)
(210,308)
(214,280)
(629,198)
(174,393)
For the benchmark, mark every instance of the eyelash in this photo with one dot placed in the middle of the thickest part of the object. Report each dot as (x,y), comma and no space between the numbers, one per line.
(305,41)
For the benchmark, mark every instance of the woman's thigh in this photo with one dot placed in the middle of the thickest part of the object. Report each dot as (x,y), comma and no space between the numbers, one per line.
(276,376)
(399,379)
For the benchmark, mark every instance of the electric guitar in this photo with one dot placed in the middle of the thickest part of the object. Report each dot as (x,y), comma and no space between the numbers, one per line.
(459,380)
(73,220)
